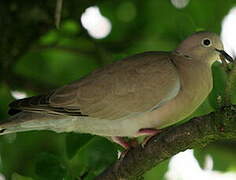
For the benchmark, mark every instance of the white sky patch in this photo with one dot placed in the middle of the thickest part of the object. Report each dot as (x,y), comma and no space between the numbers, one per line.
(180,3)
(228,32)
(97,25)
(184,166)
(18,94)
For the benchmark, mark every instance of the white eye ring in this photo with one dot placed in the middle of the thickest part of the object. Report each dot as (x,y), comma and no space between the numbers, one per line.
(206,42)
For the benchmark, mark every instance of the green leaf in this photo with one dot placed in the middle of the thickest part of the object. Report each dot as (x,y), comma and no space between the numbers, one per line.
(76,141)
(219,84)
(222,153)
(204,108)
(16,176)
(93,157)
(232,90)
(49,38)
(49,166)
(157,172)
(70,27)
(26,148)
(61,67)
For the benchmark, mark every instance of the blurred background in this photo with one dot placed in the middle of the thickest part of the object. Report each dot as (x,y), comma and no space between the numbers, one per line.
(46,44)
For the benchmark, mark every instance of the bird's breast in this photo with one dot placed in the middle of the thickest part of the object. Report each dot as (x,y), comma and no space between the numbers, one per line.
(196,84)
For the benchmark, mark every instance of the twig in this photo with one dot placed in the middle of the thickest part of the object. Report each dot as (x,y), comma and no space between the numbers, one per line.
(58,13)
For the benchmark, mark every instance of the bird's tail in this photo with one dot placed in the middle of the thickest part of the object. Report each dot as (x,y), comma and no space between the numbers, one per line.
(28,121)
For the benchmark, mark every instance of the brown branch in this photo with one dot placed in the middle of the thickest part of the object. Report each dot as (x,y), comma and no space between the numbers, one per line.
(198,132)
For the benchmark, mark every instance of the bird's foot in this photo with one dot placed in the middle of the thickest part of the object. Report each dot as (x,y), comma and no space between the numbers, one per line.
(126,144)
(150,132)
(131,143)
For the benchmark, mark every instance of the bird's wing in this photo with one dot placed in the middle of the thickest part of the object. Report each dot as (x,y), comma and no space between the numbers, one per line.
(136,84)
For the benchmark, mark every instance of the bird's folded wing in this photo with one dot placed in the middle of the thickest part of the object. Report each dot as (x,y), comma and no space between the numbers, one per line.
(134,85)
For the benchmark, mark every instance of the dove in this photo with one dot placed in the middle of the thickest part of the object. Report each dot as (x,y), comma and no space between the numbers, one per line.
(136,96)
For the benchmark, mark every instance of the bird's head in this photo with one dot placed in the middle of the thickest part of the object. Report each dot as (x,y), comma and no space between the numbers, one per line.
(203,46)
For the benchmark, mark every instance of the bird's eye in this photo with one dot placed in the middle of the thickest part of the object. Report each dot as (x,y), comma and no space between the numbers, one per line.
(206,42)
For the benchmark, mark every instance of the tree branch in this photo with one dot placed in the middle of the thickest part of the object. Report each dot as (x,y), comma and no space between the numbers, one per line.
(198,132)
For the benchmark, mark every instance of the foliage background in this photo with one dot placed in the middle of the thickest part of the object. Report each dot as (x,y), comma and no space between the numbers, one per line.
(36,57)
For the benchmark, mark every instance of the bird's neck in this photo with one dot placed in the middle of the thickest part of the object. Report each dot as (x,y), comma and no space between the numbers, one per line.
(195,75)
(196,84)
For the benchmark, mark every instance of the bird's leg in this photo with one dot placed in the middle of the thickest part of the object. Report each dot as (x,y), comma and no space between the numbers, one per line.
(128,144)
(125,144)
(121,141)
(150,132)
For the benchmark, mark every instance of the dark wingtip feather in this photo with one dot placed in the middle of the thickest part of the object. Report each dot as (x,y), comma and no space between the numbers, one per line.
(41,104)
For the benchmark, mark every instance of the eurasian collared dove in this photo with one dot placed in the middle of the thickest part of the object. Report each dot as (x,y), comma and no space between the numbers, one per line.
(131,97)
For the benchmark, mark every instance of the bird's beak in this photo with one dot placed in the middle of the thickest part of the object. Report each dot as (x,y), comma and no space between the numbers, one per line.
(225,55)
